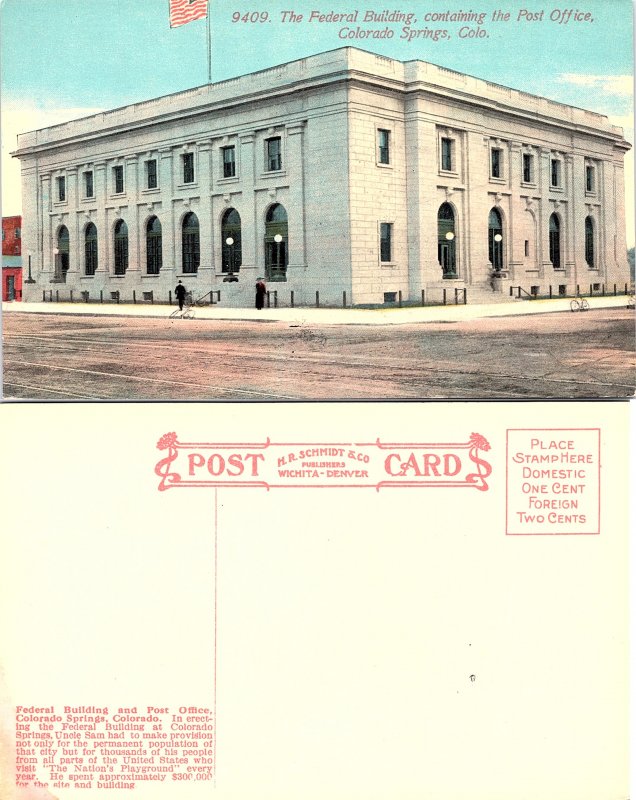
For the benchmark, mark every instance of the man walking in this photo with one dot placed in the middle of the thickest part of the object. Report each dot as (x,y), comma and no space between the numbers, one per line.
(180,292)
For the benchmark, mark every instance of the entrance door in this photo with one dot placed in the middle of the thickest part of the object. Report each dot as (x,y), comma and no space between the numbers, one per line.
(276,243)
(275,261)
(10,287)
(447,259)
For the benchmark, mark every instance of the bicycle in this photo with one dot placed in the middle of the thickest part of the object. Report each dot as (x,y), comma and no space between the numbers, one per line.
(579,304)
(187,312)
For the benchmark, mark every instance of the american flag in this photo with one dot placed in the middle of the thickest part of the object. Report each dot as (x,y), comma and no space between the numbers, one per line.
(182,11)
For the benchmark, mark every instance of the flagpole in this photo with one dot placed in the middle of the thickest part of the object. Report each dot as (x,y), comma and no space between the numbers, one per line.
(209,41)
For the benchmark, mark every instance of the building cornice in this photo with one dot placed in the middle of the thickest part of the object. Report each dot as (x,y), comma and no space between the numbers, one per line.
(346,67)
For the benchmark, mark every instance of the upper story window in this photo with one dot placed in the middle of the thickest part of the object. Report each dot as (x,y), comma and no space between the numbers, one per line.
(528,168)
(384,146)
(18,233)
(151,174)
(496,162)
(555,172)
(229,161)
(188,167)
(386,241)
(590,179)
(118,179)
(447,154)
(89,189)
(61,188)
(274,155)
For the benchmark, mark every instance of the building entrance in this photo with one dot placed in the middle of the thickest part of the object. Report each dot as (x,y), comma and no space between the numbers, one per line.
(276,243)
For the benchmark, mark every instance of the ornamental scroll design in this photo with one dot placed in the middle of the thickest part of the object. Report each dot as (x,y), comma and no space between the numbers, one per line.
(375,464)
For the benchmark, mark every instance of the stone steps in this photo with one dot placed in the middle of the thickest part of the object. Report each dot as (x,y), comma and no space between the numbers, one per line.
(483,294)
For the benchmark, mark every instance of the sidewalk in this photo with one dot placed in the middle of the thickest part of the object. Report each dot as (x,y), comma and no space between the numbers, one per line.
(323,316)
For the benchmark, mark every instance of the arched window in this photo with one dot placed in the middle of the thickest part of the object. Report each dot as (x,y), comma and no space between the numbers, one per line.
(555,241)
(276,243)
(446,242)
(62,257)
(90,249)
(121,247)
(495,240)
(231,256)
(589,242)
(153,246)
(190,243)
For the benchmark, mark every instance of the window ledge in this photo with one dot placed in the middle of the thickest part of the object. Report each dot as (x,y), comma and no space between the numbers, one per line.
(274,173)
(382,165)
(90,199)
(527,185)
(150,275)
(154,190)
(500,181)
(224,181)
(448,173)
(86,277)
(193,185)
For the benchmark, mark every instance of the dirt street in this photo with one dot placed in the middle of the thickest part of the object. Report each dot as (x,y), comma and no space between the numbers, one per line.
(553,355)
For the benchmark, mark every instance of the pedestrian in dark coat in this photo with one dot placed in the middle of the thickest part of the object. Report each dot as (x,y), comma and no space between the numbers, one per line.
(180,292)
(260,293)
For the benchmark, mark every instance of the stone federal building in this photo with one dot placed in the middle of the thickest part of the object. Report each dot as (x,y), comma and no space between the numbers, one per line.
(344,172)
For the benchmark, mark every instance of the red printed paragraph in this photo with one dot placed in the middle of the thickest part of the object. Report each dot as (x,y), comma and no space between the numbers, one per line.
(90,747)
(552,481)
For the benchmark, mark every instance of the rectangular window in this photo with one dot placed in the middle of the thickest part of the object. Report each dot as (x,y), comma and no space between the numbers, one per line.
(151,174)
(555,172)
(447,154)
(61,189)
(384,152)
(496,170)
(527,168)
(88,184)
(229,162)
(386,235)
(188,167)
(118,180)
(526,248)
(274,160)
(18,233)
(589,179)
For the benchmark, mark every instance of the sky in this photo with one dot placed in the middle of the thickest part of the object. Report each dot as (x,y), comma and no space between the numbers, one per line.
(62,59)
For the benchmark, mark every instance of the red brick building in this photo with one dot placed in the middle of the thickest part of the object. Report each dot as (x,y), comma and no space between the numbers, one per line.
(12,258)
